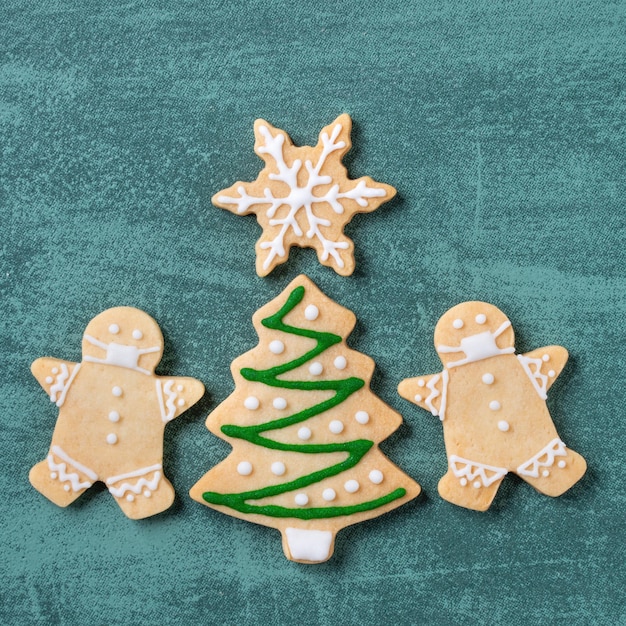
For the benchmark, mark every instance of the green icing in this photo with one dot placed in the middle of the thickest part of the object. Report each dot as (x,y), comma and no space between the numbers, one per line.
(342,389)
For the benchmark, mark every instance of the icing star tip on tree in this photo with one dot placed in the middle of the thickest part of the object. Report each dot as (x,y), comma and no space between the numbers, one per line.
(303,196)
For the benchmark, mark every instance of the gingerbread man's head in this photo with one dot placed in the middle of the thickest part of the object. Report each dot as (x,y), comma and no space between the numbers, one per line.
(125,337)
(472,331)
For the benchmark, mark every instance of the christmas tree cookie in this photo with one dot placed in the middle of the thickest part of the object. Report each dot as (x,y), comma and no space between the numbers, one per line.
(492,403)
(303,197)
(113,410)
(304,426)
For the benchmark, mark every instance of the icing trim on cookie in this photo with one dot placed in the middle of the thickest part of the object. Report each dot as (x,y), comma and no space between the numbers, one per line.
(469,470)
(62,473)
(136,488)
(531,468)
(62,384)
(539,380)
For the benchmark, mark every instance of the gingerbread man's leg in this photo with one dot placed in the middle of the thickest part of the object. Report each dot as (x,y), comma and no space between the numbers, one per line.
(470,484)
(60,478)
(147,486)
(554,469)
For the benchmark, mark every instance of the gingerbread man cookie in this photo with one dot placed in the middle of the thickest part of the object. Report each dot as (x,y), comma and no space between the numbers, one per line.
(304,426)
(303,197)
(492,403)
(112,413)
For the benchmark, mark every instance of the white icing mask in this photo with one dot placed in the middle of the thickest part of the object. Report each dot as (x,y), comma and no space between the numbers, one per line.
(478,347)
(119,354)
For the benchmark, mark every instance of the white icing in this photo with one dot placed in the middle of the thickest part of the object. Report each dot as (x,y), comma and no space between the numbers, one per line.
(545,358)
(421,382)
(137,334)
(561,464)
(311,312)
(316,368)
(167,398)
(279,403)
(119,354)
(55,370)
(179,387)
(130,497)
(49,379)
(532,367)
(111,438)
(418,398)
(471,470)
(488,378)
(476,484)
(494,405)
(114,329)
(139,485)
(304,433)
(503,425)
(329,494)
(551,373)
(376,476)
(60,470)
(481,318)
(147,493)
(62,384)
(340,362)
(301,197)
(181,402)
(301,499)
(458,323)
(116,391)
(545,473)
(309,545)
(336,427)
(434,393)
(544,458)
(114,416)
(251,403)
(277,346)
(351,486)
(362,417)
(244,468)
(278,468)
(478,347)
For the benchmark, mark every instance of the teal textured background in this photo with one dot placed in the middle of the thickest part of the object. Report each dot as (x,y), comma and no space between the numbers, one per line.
(501,124)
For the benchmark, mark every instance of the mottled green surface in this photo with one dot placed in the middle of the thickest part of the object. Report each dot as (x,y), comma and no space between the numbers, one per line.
(502,126)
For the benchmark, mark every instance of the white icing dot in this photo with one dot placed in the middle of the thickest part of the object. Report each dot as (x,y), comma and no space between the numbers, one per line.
(376,476)
(362,417)
(49,379)
(351,486)
(114,329)
(244,468)
(503,425)
(137,334)
(545,473)
(316,368)
(251,403)
(181,402)
(494,405)
(53,475)
(336,427)
(301,499)
(116,391)
(561,464)
(329,495)
(111,438)
(130,497)
(278,468)
(421,382)
(340,362)
(277,346)
(55,370)
(418,398)
(66,487)
(551,373)
(458,323)
(147,493)
(488,378)
(311,312)
(476,484)
(304,433)
(280,403)
(114,416)
(545,358)
(179,388)
(481,318)
(463,482)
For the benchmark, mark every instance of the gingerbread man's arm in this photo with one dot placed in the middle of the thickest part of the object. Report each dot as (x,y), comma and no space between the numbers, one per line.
(176,395)
(428,392)
(543,366)
(55,376)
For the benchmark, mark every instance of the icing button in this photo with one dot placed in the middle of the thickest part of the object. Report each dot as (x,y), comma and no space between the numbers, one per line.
(503,426)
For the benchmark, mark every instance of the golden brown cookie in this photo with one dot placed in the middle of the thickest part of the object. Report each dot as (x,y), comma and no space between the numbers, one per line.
(305,427)
(303,197)
(492,403)
(112,413)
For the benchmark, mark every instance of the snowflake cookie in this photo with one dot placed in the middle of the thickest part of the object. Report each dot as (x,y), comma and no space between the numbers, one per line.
(305,427)
(303,197)
(492,403)
(113,410)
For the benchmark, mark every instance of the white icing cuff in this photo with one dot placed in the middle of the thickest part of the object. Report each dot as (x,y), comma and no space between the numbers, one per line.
(544,458)
(309,545)
(467,470)
(135,486)
(61,470)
